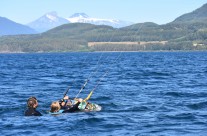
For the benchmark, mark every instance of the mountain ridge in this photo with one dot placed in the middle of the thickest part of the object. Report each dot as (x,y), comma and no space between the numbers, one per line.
(47,21)
(194,16)
(9,27)
(84,18)
(183,34)
(51,20)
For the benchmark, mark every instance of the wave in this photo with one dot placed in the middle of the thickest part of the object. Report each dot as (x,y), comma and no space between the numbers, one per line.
(197,106)
(186,94)
(179,116)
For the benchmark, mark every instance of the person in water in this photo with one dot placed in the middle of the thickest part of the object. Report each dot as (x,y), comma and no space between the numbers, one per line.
(32,104)
(65,103)
(65,106)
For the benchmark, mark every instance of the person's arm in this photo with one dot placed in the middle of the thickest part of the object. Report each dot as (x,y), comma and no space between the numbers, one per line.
(72,109)
(65,102)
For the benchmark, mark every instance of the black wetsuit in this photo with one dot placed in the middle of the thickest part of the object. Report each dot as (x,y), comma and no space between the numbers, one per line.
(74,108)
(32,112)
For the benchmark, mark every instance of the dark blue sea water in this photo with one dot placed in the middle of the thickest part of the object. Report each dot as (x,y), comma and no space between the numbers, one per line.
(144,93)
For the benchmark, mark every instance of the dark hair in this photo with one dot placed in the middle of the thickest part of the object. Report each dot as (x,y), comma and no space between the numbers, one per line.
(31,102)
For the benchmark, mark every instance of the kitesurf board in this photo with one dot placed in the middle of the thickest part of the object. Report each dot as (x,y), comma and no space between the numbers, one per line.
(83,106)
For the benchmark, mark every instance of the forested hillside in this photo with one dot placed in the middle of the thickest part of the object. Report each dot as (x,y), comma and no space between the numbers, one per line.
(185,33)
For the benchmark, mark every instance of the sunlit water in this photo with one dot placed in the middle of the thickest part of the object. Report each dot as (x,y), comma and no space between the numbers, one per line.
(149,93)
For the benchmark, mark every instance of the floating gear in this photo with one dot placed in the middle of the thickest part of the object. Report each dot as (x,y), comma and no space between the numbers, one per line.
(56,113)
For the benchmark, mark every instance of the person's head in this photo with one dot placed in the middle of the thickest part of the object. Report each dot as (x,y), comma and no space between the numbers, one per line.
(55,107)
(32,102)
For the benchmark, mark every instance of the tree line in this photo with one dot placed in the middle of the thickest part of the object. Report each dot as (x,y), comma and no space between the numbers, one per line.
(75,37)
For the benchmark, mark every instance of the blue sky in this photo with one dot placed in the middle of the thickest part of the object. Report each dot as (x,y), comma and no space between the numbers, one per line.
(137,11)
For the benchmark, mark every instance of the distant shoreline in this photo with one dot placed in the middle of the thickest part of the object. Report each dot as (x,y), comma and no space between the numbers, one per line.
(105,51)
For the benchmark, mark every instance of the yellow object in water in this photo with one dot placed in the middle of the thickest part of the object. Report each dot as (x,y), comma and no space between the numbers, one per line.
(88,97)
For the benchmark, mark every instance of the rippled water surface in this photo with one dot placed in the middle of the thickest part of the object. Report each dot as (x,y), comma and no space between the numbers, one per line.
(149,93)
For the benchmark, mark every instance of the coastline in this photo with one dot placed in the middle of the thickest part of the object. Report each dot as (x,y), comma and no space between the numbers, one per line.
(104,51)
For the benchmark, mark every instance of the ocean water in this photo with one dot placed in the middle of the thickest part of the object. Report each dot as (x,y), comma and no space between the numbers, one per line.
(141,93)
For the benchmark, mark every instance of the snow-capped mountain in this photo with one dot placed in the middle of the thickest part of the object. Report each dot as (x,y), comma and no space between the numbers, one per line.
(83,18)
(47,21)
(52,20)
(79,15)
